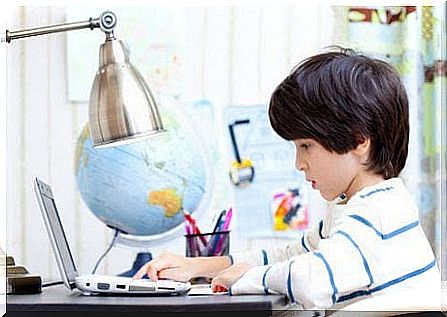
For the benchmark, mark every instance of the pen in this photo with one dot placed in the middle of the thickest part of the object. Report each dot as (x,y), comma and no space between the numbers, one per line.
(189,239)
(214,237)
(226,224)
(216,226)
(196,230)
(187,228)
(217,249)
(218,245)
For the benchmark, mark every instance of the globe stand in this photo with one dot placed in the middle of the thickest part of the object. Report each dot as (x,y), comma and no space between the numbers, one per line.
(141,259)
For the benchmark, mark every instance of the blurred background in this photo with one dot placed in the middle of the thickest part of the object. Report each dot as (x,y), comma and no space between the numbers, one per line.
(210,66)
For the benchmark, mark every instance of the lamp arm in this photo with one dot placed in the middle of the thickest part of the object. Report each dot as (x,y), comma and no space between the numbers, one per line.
(106,21)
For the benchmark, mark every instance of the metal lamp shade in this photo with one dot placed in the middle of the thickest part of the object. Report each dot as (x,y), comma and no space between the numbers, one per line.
(122,107)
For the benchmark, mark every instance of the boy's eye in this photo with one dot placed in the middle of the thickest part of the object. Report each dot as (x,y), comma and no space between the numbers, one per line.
(304,146)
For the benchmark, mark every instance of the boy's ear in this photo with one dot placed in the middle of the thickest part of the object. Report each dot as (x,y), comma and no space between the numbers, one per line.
(363,146)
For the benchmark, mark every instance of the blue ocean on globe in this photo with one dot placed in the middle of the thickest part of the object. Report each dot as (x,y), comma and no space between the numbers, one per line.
(141,188)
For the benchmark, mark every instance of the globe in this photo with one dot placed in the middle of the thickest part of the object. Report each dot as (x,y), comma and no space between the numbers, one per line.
(142,188)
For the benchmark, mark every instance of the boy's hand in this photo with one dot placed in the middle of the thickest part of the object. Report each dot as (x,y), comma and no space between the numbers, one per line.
(167,266)
(226,278)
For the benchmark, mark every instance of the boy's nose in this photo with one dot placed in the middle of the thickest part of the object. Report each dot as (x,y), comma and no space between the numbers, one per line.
(300,164)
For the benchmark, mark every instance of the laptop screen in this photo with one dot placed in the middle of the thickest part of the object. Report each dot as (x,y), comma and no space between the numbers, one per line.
(56,232)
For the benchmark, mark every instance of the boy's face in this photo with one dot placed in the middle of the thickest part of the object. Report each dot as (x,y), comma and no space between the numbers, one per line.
(329,172)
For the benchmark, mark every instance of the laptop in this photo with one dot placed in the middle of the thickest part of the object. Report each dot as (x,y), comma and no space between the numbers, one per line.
(93,283)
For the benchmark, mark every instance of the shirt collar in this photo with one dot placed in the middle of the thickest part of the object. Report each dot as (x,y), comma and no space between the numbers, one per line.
(382,186)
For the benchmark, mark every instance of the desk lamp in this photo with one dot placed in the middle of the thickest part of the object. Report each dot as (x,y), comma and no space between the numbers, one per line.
(121,107)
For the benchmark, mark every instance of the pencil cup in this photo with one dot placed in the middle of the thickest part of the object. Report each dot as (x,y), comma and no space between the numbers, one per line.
(208,244)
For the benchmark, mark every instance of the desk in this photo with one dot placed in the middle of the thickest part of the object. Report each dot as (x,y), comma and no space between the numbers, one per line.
(56,299)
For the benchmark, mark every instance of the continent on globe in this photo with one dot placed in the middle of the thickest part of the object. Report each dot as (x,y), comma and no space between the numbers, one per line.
(166,198)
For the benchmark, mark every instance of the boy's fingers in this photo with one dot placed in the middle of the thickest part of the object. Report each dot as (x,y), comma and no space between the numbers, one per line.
(172,274)
(151,273)
(150,269)
(219,288)
(146,270)
(154,267)
(141,271)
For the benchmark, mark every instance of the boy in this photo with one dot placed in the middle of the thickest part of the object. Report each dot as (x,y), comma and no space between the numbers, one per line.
(347,115)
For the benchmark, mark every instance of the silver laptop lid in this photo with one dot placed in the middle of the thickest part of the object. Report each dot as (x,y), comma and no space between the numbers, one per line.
(53,225)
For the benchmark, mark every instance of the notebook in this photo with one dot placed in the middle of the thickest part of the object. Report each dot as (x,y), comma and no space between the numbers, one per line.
(92,283)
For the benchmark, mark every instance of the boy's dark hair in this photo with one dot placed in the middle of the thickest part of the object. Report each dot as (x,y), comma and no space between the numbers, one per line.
(340,98)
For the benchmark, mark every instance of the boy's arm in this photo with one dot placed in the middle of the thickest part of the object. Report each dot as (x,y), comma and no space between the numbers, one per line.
(210,266)
(317,278)
(308,242)
(180,268)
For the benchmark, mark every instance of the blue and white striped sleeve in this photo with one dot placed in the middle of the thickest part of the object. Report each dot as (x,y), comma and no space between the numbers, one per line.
(314,279)
(308,242)
(264,256)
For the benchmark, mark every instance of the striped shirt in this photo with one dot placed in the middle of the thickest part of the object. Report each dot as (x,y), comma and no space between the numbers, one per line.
(372,245)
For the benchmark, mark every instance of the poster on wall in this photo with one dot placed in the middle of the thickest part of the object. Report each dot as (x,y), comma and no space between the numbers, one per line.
(271,197)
